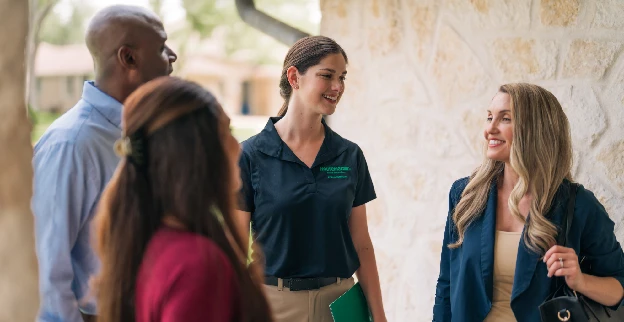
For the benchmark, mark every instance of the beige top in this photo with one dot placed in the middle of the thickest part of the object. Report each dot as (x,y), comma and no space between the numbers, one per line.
(505,253)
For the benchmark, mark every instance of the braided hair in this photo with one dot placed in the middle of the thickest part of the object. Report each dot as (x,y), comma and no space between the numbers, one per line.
(305,53)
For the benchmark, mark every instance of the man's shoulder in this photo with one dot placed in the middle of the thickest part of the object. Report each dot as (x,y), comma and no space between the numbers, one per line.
(71,128)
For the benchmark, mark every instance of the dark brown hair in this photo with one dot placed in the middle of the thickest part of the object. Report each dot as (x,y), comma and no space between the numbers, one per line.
(305,53)
(182,171)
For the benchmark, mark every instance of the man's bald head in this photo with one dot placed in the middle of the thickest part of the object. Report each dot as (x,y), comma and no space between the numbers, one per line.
(127,44)
(116,26)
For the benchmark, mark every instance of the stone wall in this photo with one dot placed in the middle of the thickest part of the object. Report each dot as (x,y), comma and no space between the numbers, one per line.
(421,74)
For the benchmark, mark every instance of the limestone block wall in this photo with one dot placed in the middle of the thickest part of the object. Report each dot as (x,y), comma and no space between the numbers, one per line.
(421,74)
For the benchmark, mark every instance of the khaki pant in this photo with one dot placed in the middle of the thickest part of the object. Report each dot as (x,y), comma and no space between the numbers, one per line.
(305,306)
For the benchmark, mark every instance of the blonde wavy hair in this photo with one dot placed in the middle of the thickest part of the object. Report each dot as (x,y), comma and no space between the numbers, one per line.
(541,155)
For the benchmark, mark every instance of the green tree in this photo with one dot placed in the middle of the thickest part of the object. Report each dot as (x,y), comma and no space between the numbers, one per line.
(157,6)
(57,31)
(38,10)
(18,272)
(48,26)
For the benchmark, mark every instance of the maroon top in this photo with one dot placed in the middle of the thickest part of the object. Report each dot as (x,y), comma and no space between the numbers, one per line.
(185,277)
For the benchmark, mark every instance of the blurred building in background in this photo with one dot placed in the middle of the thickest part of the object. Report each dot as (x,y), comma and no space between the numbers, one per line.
(243,88)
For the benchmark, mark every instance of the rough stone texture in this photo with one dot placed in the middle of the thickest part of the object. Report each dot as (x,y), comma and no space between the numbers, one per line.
(384,26)
(423,16)
(456,70)
(345,11)
(506,14)
(612,160)
(559,12)
(18,265)
(615,93)
(521,59)
(589,58)
(421,75)
(582,108)
(609,14)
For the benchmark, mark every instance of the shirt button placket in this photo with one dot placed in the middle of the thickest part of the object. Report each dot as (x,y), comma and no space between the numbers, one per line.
(310,180)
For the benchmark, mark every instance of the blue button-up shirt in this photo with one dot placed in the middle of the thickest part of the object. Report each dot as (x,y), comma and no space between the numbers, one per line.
(73,161)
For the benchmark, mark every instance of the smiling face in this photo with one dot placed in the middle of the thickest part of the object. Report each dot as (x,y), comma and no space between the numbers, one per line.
(321,86)
(499,128)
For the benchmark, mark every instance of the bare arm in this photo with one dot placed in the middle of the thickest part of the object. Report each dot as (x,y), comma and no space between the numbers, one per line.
(563,261)
(604,290)
(367,274)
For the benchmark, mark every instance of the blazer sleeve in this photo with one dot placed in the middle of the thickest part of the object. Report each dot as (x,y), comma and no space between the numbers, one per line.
(603,253)
(442,305)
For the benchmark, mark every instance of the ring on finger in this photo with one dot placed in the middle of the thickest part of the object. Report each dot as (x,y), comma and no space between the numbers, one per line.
(561,261)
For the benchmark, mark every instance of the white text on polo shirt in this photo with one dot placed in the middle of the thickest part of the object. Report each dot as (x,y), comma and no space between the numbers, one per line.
(336,172)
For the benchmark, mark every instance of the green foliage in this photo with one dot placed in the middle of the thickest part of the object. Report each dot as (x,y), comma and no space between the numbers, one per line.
(56,31)
(40,121)
(157,7)
(205,16)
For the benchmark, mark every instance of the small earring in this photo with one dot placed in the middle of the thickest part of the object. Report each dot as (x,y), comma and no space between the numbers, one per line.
(296,86)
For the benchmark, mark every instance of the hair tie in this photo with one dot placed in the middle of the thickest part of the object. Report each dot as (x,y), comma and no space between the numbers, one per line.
(123,147)
(132,147)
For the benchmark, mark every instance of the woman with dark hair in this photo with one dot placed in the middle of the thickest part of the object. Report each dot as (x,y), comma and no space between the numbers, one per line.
(165,219)
(305,190)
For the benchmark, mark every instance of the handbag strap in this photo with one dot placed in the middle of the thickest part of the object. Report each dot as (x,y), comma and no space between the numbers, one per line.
(562,238)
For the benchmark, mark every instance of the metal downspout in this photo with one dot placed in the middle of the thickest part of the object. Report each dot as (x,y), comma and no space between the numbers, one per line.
(281,31)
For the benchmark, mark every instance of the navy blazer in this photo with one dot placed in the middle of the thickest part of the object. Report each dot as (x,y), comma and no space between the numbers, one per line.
(464,288)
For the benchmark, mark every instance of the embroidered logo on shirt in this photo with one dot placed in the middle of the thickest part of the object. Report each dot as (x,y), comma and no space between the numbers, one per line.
(336,172)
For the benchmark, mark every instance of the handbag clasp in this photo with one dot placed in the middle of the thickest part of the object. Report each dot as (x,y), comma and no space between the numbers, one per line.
(565,318)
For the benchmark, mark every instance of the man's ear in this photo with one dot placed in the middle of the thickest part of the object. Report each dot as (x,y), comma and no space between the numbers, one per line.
(127,57)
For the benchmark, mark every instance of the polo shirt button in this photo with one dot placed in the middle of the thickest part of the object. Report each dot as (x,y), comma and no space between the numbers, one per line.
(311,188)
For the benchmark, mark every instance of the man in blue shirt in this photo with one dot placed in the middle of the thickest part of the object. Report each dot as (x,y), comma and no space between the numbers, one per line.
(74,159)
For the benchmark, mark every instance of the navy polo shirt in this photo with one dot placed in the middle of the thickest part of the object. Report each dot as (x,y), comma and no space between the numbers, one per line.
(300,215)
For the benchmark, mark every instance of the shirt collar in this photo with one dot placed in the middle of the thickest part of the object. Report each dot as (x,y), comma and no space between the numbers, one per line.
(104,103)
(270,143)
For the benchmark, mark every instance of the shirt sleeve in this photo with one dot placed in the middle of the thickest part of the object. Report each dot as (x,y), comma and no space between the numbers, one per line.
(364,190)
(603,253)
(63,198)
(203,289)
(246,194)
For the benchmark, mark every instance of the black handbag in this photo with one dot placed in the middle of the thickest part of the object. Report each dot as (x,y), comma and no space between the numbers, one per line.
(565,304)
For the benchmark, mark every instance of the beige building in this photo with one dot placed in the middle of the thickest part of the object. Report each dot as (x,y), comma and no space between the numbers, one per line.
(60,72)
(241,87)
(421,74)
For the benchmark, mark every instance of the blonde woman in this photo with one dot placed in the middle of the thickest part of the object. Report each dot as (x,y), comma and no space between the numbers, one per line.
(499,252)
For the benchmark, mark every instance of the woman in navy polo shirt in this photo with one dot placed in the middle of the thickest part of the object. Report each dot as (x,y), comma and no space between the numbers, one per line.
(305,190)
(500,251)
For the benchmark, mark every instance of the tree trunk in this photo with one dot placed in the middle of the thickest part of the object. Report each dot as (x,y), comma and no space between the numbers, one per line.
(19,298)
(39,10)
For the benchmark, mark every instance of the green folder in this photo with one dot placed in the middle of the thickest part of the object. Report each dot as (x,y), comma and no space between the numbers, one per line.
(351,306)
